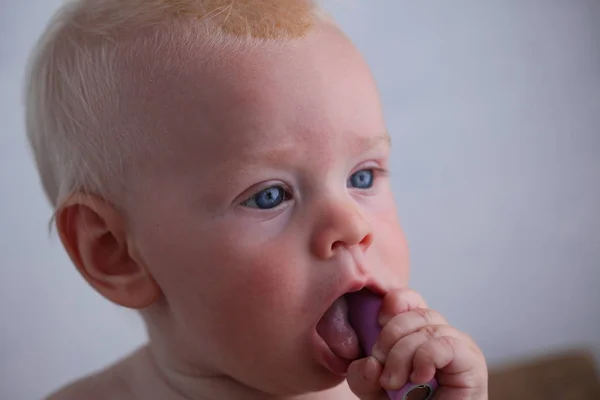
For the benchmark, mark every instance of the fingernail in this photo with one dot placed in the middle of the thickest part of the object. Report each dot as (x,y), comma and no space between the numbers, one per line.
(413,377)
(370,369)
(390,381)
(378,354)
(384,318)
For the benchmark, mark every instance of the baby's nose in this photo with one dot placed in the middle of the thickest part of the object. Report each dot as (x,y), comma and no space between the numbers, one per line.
(341,226)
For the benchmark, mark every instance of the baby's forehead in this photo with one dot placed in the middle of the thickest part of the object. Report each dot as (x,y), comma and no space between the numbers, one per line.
(203,86)
(215,101)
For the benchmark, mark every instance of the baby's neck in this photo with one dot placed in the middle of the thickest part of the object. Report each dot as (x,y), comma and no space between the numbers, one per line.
(149,381)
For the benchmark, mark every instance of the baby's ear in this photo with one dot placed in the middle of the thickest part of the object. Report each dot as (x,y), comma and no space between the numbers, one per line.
(95,237)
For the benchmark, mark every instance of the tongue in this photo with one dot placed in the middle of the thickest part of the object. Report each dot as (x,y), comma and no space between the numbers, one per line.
(336,331)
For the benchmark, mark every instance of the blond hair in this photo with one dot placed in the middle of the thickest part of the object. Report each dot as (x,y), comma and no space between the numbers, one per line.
(77,122)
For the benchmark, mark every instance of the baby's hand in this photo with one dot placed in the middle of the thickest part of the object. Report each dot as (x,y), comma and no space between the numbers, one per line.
(415,345)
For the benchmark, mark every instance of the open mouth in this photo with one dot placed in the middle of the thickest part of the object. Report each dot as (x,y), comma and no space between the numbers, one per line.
(335,330)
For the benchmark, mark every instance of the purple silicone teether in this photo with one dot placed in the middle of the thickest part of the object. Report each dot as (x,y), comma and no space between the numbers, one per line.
(363,310)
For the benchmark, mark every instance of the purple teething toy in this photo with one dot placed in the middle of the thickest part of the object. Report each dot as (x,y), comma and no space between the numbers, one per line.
(363,310)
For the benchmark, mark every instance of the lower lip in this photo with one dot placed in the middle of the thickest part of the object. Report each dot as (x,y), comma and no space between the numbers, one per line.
(327,357)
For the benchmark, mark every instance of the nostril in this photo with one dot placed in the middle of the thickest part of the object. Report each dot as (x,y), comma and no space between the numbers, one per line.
(367,240)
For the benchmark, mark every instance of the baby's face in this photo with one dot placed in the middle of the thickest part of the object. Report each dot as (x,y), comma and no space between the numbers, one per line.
(268,201)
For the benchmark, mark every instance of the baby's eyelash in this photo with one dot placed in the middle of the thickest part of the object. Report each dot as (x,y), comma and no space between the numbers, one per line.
(380,171)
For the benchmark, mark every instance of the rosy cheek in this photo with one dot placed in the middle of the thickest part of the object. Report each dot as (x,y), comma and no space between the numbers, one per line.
(390,244)
(270,271)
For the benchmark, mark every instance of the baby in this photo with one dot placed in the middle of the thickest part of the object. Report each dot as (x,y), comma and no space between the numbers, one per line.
(221,166)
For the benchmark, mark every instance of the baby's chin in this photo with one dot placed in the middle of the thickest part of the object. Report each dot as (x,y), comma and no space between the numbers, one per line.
(304,375)
(279,365)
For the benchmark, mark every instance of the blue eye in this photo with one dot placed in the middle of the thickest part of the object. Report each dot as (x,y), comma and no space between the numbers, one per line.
(268,198)
(362,179)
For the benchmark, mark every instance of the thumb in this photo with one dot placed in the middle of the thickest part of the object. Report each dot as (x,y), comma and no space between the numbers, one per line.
(363,379)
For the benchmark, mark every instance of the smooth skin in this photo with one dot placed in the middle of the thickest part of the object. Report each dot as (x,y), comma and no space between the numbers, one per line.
(265,198)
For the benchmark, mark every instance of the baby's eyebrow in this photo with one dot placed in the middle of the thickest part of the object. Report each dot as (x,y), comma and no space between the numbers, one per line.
(284,151)
(383,140)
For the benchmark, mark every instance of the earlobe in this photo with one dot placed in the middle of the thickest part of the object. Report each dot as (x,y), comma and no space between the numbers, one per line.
(94,235)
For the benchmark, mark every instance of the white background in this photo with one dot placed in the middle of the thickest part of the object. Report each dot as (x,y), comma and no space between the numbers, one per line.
(495,111)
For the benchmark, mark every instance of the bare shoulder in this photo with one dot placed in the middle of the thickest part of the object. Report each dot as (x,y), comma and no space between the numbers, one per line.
(110,383)
(89,387)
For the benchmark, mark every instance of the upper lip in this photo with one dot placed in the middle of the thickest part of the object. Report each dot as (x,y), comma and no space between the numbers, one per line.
(360,279)
(367,284)
(356,285)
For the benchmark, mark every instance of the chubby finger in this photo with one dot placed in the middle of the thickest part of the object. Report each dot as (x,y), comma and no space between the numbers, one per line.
(435,354)
(363,379)
(458,365)
(398,301)
(399,364)
(403,325)
(400,361)
(453,358)
(466,369)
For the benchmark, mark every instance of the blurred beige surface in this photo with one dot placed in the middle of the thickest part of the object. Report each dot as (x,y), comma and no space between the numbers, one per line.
(564,376)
